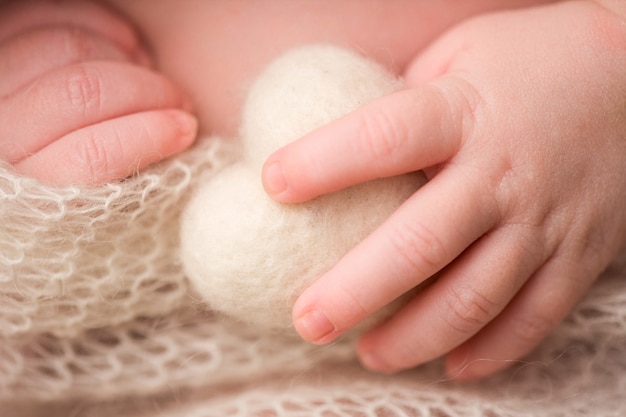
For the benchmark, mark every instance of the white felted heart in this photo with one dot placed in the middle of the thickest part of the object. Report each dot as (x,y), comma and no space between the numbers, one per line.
(249,256)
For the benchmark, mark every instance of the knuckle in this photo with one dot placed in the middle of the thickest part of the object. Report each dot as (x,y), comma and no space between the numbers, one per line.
(531,328)
(381,134)
(92,157)
(468,310)
(419,249)
(357,307)
(84,89)
(460,101)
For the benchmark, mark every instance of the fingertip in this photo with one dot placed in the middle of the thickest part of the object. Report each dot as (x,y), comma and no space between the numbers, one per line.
(186,129)
(284,178)
(167,133)
(372,352)
(375,362)
(312,321)
(273,178)
(315,327)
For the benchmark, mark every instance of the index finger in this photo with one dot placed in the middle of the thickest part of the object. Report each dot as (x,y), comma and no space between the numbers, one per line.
(399,133)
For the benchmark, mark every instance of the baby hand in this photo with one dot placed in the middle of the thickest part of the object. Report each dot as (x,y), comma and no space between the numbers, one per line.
(78,101)
(518,119)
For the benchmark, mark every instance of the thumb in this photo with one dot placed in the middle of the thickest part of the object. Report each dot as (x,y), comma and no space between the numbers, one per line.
(436,60)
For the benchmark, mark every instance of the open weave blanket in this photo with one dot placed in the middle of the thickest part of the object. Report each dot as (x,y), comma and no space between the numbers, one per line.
(98,319)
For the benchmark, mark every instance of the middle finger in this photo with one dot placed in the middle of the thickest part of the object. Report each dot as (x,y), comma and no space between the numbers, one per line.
(39,51)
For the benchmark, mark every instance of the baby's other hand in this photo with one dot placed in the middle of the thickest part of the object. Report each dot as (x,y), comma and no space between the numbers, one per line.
(518,119)
(79,103)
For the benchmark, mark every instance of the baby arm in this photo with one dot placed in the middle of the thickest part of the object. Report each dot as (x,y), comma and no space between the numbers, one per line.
(518,119)
(79,103)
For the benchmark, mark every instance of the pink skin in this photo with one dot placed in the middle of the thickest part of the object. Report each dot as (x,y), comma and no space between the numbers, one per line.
(85,108)
(205,45)
(518,119)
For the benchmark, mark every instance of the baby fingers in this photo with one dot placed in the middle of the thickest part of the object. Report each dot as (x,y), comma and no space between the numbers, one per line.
(424,235)
(77,96)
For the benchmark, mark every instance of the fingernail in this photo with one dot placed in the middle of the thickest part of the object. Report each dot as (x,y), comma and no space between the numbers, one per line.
(373,362)
(314,326)
(274,180)
(186,124)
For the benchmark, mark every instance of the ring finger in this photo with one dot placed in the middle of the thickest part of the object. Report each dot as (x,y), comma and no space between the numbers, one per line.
(464,299)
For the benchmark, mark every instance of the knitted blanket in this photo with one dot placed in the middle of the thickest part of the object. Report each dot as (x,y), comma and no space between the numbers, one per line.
(98,319)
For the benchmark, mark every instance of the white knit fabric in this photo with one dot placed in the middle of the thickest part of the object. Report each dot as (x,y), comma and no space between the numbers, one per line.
(97,319)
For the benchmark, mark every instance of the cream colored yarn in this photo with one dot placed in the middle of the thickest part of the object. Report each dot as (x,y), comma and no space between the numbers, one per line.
(97,319)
